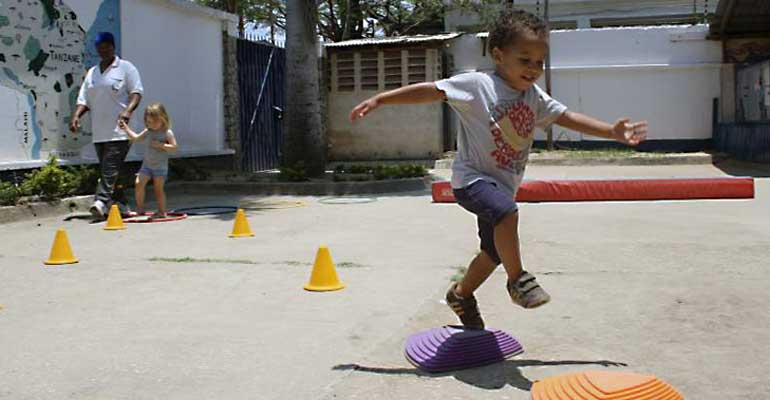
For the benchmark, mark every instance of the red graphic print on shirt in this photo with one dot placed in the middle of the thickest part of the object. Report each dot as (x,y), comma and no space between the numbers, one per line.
(522,118)
(512,131)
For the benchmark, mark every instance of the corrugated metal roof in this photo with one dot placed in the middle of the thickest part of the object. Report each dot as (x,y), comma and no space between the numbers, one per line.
(394,40)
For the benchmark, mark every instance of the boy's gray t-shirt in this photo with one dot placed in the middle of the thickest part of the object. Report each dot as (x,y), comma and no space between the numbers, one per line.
(497,127)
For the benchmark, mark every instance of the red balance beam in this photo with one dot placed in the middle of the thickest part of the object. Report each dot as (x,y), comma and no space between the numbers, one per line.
(620,190)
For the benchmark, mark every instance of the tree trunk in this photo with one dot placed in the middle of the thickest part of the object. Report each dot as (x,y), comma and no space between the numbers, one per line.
(304,136)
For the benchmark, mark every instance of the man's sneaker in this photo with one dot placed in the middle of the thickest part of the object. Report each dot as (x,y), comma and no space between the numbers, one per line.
(526,292)
(123,208)
(98,210)
(465,308)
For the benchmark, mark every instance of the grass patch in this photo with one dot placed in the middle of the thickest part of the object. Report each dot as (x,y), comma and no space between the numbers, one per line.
(347,264)
(360,173)
(459,273)
(619,152)
(294,263)
(187,260)
(201,260)
(343,264)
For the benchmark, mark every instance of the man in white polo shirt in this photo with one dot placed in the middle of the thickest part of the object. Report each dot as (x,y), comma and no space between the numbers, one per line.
(111,91)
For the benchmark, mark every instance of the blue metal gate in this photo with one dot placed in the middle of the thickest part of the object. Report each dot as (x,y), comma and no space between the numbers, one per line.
(744,141)
(260,77)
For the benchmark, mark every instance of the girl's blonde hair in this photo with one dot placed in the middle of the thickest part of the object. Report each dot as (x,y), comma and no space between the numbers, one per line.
(158,111)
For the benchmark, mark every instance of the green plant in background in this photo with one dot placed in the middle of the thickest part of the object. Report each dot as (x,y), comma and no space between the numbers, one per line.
(50,182)
(359,169)
(399,171)
(85,178)
(9,194)
(188,170)
(380,172)
(296,173)
(459,273)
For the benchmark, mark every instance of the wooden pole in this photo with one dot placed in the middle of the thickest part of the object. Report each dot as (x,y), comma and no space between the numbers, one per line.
(549,130)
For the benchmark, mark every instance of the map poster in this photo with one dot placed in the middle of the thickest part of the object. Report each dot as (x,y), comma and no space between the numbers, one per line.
(46,48)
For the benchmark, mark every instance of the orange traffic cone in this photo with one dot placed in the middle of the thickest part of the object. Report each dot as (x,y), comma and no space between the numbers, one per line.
(603,385)
(61,253)
(241,225)
(114,220)
(324,276)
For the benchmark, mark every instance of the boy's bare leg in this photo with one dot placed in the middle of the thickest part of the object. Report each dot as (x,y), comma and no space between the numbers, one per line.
(507,245)
(460,297)
(478,271)
(522,286)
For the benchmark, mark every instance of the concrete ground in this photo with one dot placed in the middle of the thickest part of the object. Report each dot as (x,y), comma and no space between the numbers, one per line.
(675,289)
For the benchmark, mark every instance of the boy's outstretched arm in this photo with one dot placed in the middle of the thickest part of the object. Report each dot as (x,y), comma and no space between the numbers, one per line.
(623,131)
(425,92)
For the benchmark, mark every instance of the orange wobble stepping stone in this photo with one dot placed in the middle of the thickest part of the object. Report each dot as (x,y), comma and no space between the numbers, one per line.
(603,385)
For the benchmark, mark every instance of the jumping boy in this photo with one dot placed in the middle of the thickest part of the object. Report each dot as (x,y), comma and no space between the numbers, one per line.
(498,114)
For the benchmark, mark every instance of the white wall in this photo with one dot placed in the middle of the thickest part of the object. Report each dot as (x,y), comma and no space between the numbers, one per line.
(413,132)
(667,75)
(396,132)
(178,52)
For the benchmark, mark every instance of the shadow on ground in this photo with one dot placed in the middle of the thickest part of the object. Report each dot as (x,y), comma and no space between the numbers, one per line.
(738,168)
(490,377)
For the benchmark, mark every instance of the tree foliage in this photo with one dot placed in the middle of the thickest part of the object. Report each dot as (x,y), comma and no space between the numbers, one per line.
(345,19)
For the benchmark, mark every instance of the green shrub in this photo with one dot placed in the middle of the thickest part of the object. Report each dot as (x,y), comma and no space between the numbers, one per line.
(50,182)
(297,173)
(9,194)
(359,169)
(382,172)
(85,178)
(187,170)
(399,171)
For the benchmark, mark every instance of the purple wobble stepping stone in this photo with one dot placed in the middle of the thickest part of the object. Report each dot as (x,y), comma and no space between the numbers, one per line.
(449,348)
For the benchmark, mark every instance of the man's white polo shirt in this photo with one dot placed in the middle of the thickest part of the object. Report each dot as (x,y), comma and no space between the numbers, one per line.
(106,96)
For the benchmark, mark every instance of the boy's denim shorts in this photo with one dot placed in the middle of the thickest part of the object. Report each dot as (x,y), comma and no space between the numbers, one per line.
(490,205)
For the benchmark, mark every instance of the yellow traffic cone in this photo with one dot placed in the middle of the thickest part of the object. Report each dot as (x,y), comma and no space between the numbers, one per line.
(114,220)
(61,253)
(324,276)
(241,225)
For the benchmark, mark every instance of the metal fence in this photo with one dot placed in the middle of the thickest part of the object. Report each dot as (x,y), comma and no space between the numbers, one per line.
(260,77)
(264,39)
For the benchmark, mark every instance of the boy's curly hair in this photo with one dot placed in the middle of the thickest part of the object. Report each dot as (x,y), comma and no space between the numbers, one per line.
(512,23)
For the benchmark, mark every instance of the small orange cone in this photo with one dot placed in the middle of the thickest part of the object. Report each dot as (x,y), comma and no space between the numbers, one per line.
(324,276)
(61,253)
(241,225)
(114,220)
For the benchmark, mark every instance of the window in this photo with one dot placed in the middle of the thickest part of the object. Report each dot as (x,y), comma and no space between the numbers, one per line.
(346,72)
(416,64)
(392,71)
(370,70)
(378,69)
